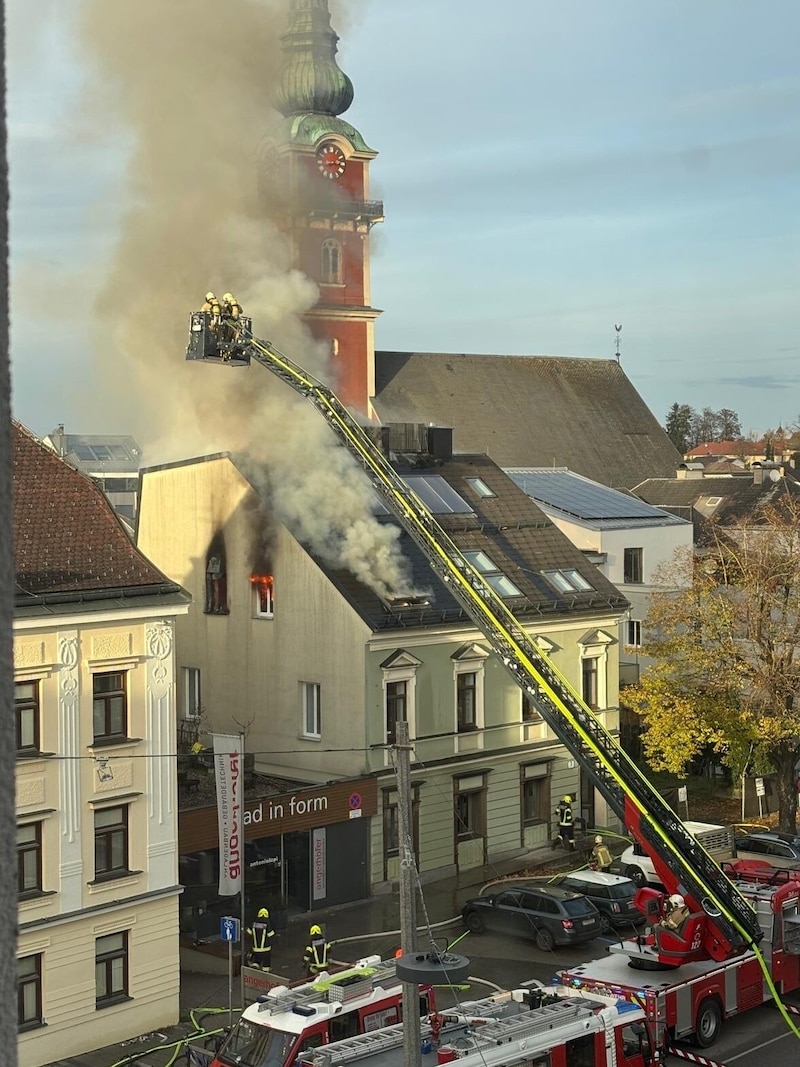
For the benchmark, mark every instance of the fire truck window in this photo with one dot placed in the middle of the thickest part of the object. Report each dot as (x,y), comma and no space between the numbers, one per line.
(580,1051)
(314,1041)
(343,1026)
(635,1045)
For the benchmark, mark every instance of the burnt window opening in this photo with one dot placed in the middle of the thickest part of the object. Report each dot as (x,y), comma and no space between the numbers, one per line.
(216,579)
(263,595)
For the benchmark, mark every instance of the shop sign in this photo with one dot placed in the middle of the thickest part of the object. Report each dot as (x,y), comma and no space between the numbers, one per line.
(318,861)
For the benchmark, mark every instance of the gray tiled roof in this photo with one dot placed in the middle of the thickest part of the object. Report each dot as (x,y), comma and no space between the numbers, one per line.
(514,533)
(523,411)
(724,499)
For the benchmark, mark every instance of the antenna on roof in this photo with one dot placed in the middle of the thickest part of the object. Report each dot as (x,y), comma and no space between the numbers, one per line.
(618,341)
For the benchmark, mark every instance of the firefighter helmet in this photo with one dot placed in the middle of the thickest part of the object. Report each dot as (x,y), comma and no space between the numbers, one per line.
(210,296)
(315,930)
(566,799)
(677,901)
(263,913)
(598,840)
(228,298)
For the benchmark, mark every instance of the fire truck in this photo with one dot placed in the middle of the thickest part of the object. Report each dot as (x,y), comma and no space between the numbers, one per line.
(693,1001)
(724,925)
(525,1027)
(290,1020)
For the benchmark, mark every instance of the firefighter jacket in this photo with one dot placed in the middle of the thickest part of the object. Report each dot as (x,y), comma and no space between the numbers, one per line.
(315,956)
(565,814)
(601,856)
(262,934)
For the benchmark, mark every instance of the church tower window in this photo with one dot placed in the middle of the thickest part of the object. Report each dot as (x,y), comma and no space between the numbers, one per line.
(331,262)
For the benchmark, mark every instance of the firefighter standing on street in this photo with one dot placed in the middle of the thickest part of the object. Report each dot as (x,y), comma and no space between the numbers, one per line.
(262,934)
(315,957)
(601,855)
(566,823)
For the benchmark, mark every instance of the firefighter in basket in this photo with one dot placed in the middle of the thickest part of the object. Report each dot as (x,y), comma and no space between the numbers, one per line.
(213,309)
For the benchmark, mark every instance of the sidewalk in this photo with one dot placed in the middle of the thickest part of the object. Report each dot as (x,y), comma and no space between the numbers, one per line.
(365,927)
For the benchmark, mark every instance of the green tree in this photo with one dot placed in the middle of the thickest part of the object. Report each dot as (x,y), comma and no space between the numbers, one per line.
(678,425)
(726,648)
(729,426)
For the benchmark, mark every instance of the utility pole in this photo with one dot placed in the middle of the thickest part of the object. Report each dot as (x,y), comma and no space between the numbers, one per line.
(408,895)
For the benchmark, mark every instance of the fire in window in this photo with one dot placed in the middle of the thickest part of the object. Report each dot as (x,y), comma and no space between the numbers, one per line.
(264,595)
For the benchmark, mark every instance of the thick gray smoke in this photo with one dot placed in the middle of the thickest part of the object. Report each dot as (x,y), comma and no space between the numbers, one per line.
(191,81)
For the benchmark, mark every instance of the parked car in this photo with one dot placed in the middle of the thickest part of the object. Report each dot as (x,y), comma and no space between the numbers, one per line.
(634,863)
(777,849)
(611,894)
(548,914)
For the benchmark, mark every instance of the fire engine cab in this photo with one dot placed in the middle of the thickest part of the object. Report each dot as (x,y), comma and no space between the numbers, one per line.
(526,1026)
(291,1020)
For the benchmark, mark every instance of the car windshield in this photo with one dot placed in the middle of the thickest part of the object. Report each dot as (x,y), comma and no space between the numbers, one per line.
(579,907)
(621,891)
(251,1045)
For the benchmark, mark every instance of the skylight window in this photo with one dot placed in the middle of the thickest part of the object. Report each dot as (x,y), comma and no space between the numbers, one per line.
(568,581)
(500,582)
(480,487)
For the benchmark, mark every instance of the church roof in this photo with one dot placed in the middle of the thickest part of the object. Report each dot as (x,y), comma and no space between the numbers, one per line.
(67,539)
(527,411)
(311,79)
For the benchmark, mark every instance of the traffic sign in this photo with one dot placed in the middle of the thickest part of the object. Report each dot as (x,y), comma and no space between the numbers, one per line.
(229,928)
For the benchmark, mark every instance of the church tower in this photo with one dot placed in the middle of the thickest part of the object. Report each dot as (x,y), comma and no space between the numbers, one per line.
(323,164)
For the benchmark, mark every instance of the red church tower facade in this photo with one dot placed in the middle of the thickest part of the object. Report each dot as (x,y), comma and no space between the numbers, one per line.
(324,163)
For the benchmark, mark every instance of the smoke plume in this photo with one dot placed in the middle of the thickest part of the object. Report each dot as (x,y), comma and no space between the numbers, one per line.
(190,83)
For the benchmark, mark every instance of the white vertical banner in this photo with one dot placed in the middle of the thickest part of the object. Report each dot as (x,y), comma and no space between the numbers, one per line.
(319,863)
(228,760)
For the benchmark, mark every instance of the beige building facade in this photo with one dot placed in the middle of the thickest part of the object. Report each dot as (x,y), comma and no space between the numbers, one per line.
(296,654)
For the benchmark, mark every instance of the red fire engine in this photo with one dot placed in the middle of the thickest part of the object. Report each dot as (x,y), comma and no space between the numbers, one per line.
(527,1027)
(290,1020)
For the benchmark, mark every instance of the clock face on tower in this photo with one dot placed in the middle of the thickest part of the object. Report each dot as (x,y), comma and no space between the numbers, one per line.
(330,160)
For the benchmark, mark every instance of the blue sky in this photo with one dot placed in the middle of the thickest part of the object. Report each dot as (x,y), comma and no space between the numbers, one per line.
(549,168)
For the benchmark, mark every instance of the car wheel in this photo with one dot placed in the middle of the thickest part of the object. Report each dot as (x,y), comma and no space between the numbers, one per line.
(474,923)
(708,1023)
(545,940)
(605,924)
(636,875)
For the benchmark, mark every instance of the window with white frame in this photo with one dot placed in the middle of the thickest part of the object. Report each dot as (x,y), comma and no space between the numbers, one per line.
(534,794)
(399,687)
(492,574)
(192,697)
(310,694)
(468,675)
(634,633)
(470,807)
(594,647)
(263,596)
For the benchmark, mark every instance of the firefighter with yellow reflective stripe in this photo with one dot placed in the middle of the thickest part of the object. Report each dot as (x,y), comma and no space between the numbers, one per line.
(315,957)
(262,934)
(566,822)
(601,855)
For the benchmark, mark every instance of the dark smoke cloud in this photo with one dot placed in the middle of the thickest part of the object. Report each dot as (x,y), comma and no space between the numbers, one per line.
(190,83)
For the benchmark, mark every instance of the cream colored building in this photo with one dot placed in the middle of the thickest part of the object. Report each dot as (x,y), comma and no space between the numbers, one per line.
(94,672)
(316,666)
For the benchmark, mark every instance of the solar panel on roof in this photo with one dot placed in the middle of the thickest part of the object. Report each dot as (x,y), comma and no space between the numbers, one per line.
(437,494)
(580,497)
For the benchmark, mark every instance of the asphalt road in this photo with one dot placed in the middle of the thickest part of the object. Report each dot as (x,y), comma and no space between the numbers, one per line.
(758,1038)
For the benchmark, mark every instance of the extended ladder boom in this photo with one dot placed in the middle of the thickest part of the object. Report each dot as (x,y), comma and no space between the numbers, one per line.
(680,860)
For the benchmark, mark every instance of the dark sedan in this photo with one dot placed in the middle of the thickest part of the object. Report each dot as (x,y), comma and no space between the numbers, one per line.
(548,914)
(777,849)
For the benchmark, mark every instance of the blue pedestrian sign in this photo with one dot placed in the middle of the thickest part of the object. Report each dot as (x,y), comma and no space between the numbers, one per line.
(229,928)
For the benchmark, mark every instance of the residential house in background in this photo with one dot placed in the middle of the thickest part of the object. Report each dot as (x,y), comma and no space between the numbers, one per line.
(699,497)
(628,540)
(317,668)
(111,459)
(95,775)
